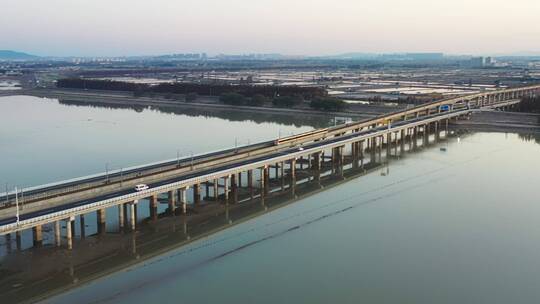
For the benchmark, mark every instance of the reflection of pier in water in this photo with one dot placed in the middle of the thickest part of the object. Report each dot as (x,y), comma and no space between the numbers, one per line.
(46,270)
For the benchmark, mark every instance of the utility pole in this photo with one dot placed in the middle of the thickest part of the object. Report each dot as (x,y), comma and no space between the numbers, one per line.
(107,172)
(17,205)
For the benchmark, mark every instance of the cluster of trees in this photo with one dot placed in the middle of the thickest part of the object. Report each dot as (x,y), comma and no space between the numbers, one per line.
(529,105)
(328,104)
(318,103)
(236,99)
(270,91)
(242,95)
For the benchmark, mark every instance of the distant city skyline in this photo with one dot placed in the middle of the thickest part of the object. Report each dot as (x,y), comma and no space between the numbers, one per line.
(303,27)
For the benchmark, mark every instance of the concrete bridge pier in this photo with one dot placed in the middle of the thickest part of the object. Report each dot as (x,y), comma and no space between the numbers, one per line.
(215,187)
(121,218)
(316,164)
(234,189)
(57,234)
(153,201)
(380,140)
(250,183)
(196,194)
(415,138)
(69,232)
(37,235)
(101,221)
(240,179)
(183,199)
(388,145)
(206,190)
(282,175)
(8,242)
(266,174)
(262,182)
(18,240)
(172,195)
(226,185)
(425,138)
(133,214)
(82,226)
(293,171)
(396,141)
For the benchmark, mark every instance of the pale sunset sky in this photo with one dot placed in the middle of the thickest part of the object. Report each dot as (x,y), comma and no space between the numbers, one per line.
(308,27)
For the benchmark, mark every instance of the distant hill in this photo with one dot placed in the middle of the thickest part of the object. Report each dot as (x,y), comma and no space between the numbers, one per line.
(13,55)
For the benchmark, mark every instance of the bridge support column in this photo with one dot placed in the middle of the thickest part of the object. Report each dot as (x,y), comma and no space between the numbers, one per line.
(381,141)
(293,176)
(266,173)
(196,194)
(362,154)
(388,144)
(69,232)
(101,221)
(262,182)
(316,164)
(153,207)
(250,182)
(18,240)
(8,242)
(425,137)
(282,173)
(133,215)
(183,199)
(293,171)
(172,201)
(82,226)
(239,179)
(57,234)
(234,188)
(226,186)
(38,235)
(396,134)
(121,221)
(335,156)
(216,189)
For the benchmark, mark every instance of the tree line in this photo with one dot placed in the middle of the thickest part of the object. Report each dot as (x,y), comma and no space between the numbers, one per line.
(270,91)
(317,103)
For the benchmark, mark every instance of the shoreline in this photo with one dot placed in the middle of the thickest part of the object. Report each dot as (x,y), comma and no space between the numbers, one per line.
(203,102)
(505,122)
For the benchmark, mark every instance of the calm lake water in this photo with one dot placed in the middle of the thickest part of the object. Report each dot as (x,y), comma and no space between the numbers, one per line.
(453,225)
(43,141)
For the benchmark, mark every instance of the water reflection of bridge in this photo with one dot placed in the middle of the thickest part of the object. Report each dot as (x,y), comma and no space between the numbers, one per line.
(43,271)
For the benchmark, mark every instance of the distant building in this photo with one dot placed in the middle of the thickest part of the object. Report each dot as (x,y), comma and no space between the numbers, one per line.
(477,62)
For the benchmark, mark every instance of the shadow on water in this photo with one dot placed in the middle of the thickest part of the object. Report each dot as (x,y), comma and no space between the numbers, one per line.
(292,119)
(37,273)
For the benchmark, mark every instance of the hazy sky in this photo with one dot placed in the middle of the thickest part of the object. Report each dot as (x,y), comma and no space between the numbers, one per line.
(144,27)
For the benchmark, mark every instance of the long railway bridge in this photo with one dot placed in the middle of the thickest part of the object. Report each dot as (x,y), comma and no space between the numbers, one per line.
(229,175)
